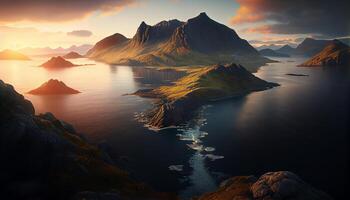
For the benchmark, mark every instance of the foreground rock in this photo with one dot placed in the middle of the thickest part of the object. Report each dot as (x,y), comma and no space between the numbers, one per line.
(199,41)
(179,102)
(53,86)
(43,157)
(72,55)
(281,185)
(12,55)
(335,53)
(57,62)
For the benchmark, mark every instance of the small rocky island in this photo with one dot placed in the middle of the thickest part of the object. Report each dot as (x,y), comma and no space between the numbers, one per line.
(335,53)
(178,103)
(57,62)
(72,55)
(53,86)
(12,55)
(273,186)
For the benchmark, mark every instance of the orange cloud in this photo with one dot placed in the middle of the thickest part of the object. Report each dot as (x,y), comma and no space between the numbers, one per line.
(53,10)
(247,12)
(264,29)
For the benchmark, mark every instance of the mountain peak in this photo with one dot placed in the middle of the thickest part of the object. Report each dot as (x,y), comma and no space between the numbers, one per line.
(53,86)
(203,14)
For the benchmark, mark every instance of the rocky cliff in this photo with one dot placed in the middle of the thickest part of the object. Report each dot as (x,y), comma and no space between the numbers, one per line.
(43,157)
(335,53)
(282,185)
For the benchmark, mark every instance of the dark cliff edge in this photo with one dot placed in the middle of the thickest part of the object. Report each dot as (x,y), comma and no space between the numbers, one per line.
(280,185)
(43,157)
(178,103)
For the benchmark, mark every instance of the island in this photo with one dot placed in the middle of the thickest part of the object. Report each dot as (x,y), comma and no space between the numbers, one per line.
(335,53)
(53,87)
(57,62)
(72,55)
(179,102)
(12,55)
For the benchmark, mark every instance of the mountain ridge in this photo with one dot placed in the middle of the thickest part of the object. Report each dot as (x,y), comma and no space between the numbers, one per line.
(199,41)
(335,53)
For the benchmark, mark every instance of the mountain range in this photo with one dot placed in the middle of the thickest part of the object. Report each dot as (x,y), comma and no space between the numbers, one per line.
(199,41)
(82,49)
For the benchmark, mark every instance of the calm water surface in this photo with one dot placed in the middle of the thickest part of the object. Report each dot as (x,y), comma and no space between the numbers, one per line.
(301,126)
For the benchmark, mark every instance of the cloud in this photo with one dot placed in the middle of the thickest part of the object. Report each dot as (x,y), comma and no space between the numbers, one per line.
(17,37)
(53,10)
(80,33)
(319,17)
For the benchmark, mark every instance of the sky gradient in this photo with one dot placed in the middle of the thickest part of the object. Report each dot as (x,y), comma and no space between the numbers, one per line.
(41,23)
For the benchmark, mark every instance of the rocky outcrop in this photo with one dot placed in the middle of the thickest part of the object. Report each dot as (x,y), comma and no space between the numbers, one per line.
(179,102)
(12,55)
(282,185)
(43,157)
(57,62)
(199,41)
(335,53)
(72,55)
(53,86)
(270,52)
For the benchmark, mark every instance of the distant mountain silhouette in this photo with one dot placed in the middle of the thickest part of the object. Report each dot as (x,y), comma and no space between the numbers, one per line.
(53,86)
(199,41)
(82,49)
(72,55)
(57,62)
(12,55)
(270,46)
(335,53)
(270,52)
(286,49)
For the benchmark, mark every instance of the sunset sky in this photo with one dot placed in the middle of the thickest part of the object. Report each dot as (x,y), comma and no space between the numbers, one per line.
(41,23)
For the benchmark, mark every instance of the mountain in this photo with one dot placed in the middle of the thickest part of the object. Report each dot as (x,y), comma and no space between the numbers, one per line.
(199,41)
(310,47)
(272,185)
(270,46)
(179,101)
(57,62)
(43,157)
(12,55)
(82,49)
(335,53)
(272,53)
(108,42)
(53,86)
(72,55)
(286,49)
